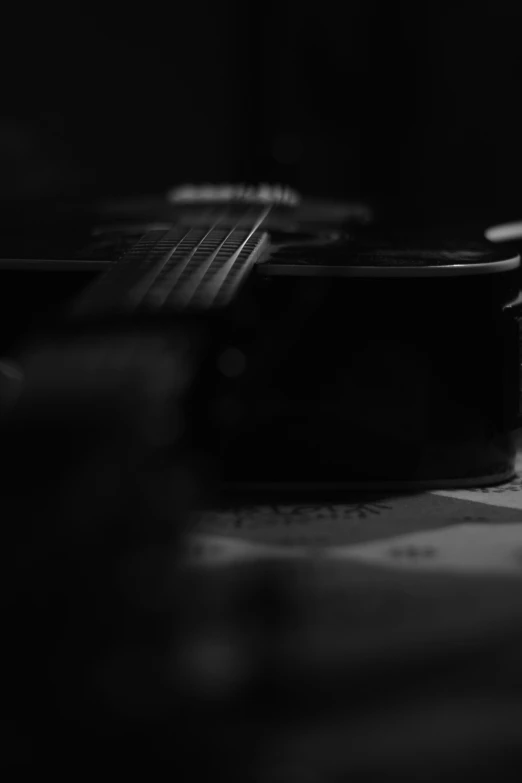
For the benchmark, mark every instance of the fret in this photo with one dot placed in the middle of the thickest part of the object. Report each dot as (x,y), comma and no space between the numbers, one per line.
(176,269)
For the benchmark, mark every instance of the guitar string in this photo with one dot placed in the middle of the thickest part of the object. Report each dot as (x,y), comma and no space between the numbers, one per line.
(143,287)
(126,271)
(153,274)
(177,270)
(131,276)
(225,272)
(132,268)
(207,269)
(134,294)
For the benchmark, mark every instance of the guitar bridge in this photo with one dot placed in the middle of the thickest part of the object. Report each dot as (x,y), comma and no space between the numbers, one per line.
(263,194)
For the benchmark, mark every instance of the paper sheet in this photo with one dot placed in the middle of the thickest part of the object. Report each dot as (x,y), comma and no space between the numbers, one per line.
(465,531)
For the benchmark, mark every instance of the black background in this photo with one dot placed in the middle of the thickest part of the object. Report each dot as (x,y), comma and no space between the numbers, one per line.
(415,106)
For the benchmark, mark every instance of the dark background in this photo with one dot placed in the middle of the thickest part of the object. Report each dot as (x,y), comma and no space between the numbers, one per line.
(415,106)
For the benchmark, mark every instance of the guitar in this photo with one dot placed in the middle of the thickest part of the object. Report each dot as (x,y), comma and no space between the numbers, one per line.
(326,361)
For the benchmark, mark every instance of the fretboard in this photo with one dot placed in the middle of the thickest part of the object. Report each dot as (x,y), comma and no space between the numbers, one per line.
(177,269)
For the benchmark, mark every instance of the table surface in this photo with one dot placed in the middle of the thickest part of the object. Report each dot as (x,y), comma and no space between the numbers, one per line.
(420,595)
(469,531)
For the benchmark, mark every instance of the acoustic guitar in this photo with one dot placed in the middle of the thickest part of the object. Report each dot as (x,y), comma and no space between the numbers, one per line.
(335,358)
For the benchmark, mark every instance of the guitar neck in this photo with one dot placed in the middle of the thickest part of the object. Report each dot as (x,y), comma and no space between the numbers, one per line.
(178,269)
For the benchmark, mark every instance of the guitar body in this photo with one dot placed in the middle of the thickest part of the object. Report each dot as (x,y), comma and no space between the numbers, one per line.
(327,363)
